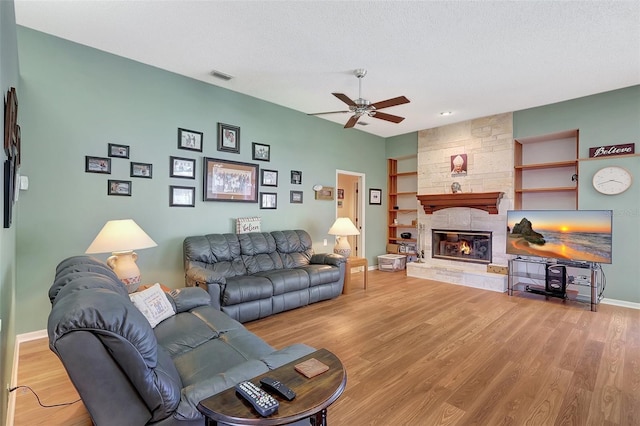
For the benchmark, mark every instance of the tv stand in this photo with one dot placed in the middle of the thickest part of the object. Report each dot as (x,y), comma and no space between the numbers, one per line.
(524,280)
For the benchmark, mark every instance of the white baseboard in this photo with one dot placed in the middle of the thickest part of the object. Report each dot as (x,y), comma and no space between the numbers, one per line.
(20,338)
(621,303)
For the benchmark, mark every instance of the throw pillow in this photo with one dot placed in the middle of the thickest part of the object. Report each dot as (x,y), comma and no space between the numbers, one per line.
(153,304)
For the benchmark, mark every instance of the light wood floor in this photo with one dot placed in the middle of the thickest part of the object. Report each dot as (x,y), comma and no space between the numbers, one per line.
(425,353)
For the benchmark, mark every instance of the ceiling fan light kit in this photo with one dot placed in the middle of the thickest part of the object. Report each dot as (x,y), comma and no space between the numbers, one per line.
(363,107)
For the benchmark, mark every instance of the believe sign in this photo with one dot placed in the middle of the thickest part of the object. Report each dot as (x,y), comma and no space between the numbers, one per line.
(611,150)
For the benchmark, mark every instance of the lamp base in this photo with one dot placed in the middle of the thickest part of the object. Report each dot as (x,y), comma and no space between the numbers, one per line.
(342,247)
(124,265)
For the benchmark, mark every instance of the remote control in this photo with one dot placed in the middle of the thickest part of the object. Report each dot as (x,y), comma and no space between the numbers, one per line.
(278,387)
(264,403)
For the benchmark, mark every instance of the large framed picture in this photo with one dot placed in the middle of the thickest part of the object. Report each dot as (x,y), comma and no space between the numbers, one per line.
(375,196)
(228,138)
(182,196)
(269,177)
(268,200)
(261,152)
(182,167)
(97,165)
(226,180)
(141,170)
(190,139)
(118,151)
(119,187)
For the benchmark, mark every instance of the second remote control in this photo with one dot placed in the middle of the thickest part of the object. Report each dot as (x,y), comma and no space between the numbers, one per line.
(278,387)
(264,403)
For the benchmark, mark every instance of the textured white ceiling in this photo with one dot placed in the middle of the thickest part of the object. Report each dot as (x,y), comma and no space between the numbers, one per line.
(471,58)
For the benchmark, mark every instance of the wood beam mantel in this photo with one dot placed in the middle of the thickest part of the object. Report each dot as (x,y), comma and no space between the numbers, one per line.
(487,201)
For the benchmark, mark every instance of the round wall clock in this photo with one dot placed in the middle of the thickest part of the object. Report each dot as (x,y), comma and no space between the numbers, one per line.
(612,180)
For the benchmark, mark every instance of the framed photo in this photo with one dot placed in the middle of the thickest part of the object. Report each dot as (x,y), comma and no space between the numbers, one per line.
(226,180)
(268,177)
(295,197)
(326,193)
(340,194)
(375,196)
(118,151)
(190,139)
(228,138)
(182,196)
(97,165)
(119,187)
(261,152)
(268,200)
(296,177)
(141,170)
(10,121)
(182,167)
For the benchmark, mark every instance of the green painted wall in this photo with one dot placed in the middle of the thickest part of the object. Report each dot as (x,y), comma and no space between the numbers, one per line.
(402,145)
(9,77)
(605,119)
(75,100)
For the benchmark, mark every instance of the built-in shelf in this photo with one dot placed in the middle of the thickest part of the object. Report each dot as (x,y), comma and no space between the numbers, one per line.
(540,164)
(552,189)
(402,186)
(487,201)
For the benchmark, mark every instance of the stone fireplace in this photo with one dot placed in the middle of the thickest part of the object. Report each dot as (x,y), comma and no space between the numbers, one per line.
(462,246)
(488,145)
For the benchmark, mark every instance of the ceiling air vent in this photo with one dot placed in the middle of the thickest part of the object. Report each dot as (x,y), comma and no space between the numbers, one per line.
(221,75)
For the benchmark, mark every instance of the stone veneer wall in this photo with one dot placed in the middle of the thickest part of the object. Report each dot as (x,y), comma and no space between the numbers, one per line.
(488,143)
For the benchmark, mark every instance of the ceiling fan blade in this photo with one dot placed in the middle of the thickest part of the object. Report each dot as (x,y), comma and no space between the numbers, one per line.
(344,98)
(329,112)
(391,102)
(352,121)
(387,117)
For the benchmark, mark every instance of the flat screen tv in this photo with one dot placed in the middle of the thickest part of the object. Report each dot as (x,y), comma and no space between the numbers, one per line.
(576,235)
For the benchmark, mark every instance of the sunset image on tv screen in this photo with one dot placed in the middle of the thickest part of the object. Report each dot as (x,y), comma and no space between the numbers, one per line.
(580,235)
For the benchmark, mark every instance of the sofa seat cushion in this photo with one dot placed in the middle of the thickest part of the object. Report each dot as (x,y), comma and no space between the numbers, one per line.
(286,280)
(246,289)
(182,333)
(207,360)
(321,274)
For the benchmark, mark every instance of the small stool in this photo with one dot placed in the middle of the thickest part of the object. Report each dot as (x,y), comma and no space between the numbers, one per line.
(353,262)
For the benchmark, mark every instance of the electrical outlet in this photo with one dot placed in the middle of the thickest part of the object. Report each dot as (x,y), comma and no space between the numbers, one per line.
(324,243)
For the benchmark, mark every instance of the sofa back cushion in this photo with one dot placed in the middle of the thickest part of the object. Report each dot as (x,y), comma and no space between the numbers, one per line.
(259,252)
(294,247)
(218,252)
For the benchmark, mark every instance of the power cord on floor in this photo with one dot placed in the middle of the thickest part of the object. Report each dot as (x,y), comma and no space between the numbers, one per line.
(40,402)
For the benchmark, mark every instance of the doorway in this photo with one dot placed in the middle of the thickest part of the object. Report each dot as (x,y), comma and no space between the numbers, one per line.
(350,203)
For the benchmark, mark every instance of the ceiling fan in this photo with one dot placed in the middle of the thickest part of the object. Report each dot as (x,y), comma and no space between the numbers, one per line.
(361,107)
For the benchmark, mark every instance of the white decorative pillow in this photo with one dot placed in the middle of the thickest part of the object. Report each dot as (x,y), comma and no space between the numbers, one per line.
(153,304)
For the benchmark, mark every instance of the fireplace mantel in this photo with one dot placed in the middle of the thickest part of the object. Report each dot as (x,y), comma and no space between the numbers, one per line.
(487,201)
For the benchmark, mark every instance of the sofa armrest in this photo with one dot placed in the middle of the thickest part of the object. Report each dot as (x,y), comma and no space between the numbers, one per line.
(214,283)
(328,259)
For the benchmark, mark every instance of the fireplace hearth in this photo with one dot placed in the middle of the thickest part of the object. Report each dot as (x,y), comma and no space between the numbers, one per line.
(462,246)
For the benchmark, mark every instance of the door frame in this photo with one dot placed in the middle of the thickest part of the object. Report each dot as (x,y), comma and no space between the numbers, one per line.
(360,207)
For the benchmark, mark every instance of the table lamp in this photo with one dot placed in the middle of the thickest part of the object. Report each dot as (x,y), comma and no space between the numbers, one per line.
(121,238)
(341,228)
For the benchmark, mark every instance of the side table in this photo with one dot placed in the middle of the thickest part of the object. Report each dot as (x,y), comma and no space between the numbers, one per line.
(354,262)
(313,397)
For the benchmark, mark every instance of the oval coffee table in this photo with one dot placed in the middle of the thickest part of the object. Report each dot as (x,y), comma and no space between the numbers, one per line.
(313,396)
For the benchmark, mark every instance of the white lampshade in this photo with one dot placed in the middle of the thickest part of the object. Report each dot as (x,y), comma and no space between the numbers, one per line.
(121,237)
(341,228)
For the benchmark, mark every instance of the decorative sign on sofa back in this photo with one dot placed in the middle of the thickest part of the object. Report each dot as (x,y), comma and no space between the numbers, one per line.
(247,224)
(612,150)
